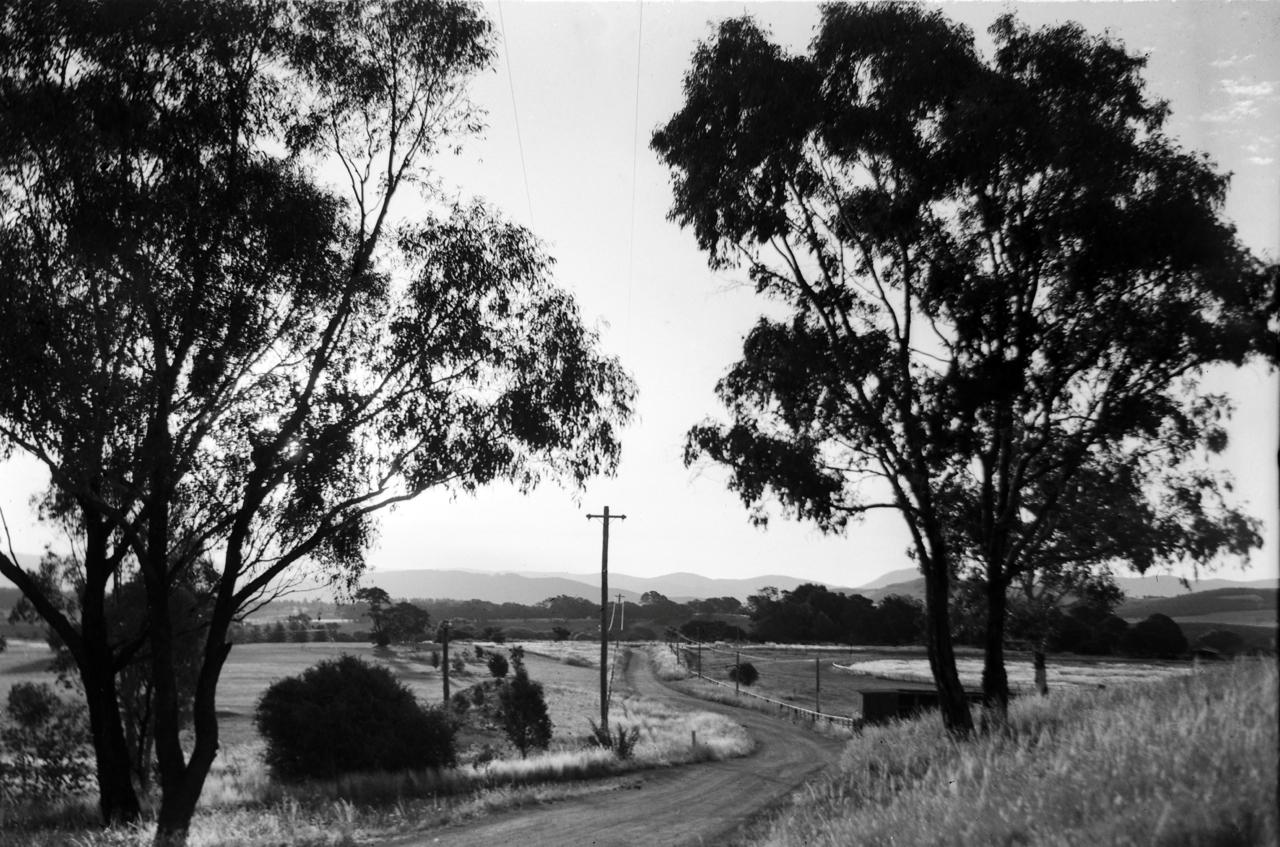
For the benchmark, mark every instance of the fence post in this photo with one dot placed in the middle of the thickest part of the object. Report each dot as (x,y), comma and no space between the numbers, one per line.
(817,682)
(737,673)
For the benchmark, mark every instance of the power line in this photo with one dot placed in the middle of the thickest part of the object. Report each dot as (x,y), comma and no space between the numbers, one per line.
(511,86)
(635,158)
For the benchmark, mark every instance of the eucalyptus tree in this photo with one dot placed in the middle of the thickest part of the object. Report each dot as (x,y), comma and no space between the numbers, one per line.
(970,254)
(224,336)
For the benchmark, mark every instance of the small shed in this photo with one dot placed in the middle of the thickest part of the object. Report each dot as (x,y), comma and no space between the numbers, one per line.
(883,706)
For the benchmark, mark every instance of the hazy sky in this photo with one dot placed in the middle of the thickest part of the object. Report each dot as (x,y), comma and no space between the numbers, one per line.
(588,83)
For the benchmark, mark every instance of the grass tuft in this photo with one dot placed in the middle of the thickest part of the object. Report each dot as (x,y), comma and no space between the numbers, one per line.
(1185,761)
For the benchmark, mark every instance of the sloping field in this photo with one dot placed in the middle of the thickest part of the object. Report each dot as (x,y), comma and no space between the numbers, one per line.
(1202,603)
(1185,761)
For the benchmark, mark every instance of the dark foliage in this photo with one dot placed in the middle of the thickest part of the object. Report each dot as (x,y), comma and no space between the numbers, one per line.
(344,716)
(965,254)
(1222,641)
(498,665)
(814,614)
(523,710)
(713,630)
(44,741)
(1159,636)
(202,340)
(622,740)
(744,673)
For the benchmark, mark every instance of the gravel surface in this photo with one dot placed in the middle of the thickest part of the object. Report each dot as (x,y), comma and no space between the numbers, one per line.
(689,805)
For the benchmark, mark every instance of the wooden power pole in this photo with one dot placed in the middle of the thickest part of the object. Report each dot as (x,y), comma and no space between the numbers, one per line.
(604,615)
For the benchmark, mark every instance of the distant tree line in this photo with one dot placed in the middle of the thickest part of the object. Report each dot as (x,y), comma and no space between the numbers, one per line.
(814,613)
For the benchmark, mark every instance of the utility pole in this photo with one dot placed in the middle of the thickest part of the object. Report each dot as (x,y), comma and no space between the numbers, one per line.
(604,615)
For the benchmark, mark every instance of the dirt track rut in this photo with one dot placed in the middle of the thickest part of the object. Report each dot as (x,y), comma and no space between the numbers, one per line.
(687,805)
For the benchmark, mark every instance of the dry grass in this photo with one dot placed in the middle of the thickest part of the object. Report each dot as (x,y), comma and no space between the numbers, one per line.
(240,805)
(1180,762)
(665,663)
(1021,674)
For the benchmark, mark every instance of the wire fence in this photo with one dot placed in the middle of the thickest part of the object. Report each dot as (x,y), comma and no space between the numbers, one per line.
(691,658)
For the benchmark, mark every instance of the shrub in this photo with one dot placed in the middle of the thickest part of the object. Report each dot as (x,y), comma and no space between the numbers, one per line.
(498,665)
(345,715)
(1224,641)
(560,633)
(744,673)
(524,710)
(712,630)
(435,659)
(1157,636)
(44,744)
(622,741)
(460,702)
(458,664)
(477,695)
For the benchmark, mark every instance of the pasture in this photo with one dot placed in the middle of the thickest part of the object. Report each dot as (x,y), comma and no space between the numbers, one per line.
(1188,760)
(242,805)
(831,680)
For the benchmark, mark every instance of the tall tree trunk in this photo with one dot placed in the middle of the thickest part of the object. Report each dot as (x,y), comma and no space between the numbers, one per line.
(117,800)
(995,680)
(942,659)
(1042,677)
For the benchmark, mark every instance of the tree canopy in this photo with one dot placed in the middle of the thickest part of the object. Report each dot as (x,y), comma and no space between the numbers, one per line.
(221,334)
(972,252)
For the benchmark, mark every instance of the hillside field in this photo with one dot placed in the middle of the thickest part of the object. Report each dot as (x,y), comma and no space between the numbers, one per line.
(1179,763)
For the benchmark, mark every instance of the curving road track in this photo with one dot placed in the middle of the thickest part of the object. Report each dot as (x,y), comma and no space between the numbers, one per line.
(687,805)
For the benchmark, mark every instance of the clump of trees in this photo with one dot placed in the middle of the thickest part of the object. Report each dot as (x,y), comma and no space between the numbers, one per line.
(1157,636)
(969,253)
(346,715)
(206,346)
(814,613)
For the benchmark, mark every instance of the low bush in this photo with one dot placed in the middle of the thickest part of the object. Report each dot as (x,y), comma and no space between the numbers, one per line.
(1223,641)
(622,741)
(498,665)
(345,715)
(524,709)
(745,673)
(1158,636)
(44,742)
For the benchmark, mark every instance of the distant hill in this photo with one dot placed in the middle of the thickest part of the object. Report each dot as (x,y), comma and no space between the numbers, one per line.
(682,587)
(494,587)
(1171,586)
(1238,604)
(892,578)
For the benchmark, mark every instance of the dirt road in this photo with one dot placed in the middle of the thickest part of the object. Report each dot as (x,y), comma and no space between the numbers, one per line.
(687,805)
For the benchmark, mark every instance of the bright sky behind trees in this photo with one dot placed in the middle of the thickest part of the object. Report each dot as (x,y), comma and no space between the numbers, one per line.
(566,99)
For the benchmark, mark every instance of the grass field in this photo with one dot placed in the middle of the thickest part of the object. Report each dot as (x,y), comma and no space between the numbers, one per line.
(1178,763)
(1244,617)
(242,806)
